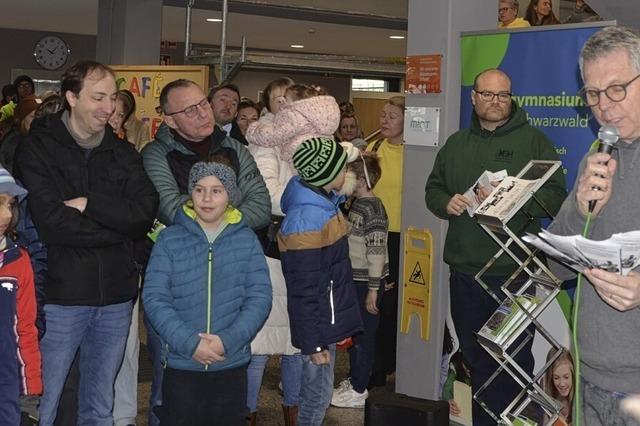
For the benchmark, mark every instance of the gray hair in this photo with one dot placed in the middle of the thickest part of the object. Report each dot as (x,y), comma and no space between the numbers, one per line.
(609,40)
(513,3)
(175,84)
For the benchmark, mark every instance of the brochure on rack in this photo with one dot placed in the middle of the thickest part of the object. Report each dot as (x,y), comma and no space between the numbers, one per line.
(507,318)
(507,198)
(485,180)
(513,192)
(620,253)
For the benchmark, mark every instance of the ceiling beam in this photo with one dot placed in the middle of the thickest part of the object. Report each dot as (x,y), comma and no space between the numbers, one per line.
(299,13)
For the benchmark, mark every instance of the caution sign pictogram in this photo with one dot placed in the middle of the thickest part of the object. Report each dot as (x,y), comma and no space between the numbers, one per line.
(416,275)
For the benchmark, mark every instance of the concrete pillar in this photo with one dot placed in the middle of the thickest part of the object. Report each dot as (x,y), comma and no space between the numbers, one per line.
(129,32)
(434,28)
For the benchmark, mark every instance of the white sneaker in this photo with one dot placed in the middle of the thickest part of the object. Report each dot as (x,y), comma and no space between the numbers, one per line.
(344,386)
(351,399)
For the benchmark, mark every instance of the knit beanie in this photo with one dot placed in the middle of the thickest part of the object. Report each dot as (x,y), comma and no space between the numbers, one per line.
(26,106)
(224,173)
(9,186)
(319,160)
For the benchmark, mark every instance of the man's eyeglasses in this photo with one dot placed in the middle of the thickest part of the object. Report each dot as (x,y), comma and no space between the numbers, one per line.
(192,110)
(615,92)
(488,96)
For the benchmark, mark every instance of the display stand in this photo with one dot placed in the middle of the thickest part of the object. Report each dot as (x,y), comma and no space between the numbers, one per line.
(529,290)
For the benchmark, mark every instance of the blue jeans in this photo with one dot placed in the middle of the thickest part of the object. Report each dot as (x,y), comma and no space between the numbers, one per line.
(125,403)
(471,307)
(316,390)
(362,352)
(291,373)
(602,407)
(154,346)
(100,334)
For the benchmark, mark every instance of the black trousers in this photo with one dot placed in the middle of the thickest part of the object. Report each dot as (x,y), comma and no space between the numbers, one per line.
(385,350)
(197,398)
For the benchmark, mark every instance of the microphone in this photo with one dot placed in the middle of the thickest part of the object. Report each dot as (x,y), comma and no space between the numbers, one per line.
(608,136)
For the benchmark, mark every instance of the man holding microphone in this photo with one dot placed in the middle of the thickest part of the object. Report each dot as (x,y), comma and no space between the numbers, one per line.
(609,318)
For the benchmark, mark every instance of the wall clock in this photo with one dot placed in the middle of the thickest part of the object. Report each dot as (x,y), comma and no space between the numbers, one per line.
(51,52)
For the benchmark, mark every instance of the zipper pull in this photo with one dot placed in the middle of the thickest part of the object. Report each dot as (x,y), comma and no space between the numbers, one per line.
(333,313)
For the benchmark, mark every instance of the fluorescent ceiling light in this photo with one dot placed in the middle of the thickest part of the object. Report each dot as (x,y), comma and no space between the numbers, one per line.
(214,20)
(397,37)
(297,46)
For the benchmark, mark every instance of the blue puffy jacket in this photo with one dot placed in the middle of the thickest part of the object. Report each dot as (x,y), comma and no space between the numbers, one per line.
(194,287)
(314,251)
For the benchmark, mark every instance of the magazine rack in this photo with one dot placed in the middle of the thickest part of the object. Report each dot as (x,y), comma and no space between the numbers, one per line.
(529,290)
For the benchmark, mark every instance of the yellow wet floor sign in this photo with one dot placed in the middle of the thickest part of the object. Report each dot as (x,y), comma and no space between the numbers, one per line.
(416,278)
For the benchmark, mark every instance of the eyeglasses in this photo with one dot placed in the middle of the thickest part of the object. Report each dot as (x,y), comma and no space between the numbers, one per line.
(488,96)
(504,9)
(192,110)
(615,92)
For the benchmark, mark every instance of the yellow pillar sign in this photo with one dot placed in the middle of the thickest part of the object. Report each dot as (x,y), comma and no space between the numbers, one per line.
(416,279)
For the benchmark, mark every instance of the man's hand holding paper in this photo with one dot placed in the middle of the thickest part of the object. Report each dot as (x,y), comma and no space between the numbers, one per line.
(618,291)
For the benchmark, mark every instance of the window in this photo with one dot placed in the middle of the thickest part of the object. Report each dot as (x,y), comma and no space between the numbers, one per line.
(369,85)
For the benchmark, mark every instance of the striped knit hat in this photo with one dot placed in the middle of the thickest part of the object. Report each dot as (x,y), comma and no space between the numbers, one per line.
(9,186)
(319,160)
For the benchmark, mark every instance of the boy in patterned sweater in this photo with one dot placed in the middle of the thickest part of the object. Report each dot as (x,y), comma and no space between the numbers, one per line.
(370,263)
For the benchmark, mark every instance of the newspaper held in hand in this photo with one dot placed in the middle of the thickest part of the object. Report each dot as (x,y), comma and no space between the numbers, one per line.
(485,180)
(620,253)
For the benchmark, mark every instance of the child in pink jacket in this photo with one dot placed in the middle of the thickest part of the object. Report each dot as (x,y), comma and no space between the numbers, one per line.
(307,113)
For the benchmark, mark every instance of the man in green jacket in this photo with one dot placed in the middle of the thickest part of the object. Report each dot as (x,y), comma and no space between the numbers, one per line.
(189,135)
(500,137)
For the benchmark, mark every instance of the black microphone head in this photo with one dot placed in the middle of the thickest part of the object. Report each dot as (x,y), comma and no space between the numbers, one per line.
(608,136)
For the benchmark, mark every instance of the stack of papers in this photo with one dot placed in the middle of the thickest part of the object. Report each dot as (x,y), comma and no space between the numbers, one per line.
(620,253)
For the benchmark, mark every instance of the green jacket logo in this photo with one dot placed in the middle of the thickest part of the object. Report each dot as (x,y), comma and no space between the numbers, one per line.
(504,155)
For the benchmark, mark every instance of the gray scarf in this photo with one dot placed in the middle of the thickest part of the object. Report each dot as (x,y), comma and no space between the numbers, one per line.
(91,142)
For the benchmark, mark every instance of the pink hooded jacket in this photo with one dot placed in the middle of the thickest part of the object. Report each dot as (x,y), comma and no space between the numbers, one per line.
(318,116)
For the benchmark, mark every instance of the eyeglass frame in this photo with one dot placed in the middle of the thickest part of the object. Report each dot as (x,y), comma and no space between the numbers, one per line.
(583,92)
(192,110)
(493,96)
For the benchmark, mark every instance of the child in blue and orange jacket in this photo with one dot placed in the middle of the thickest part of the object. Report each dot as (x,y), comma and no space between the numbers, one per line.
(314,251)
(19,352)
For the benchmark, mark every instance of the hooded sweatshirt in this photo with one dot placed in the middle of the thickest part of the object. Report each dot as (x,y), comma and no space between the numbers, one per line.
(608,339)
(465,156)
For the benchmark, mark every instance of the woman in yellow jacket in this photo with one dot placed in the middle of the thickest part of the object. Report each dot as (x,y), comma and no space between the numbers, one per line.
(390,152)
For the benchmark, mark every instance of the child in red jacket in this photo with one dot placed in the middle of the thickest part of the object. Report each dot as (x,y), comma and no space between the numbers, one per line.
(19,352)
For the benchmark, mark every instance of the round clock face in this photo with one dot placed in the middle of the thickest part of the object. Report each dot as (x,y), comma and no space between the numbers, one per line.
(51,52)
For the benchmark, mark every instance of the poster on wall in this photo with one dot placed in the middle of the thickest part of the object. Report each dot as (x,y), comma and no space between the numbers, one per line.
(545,83)
(145,82)
(423,74)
